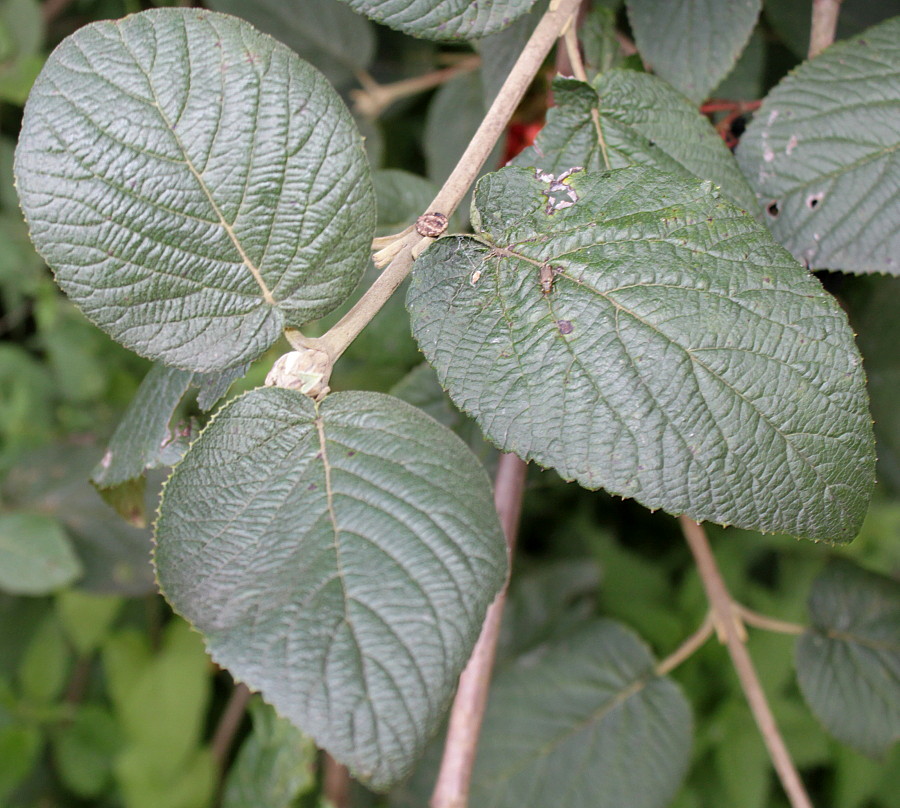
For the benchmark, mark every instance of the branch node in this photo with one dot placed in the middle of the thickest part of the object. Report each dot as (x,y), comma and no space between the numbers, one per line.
(307,370)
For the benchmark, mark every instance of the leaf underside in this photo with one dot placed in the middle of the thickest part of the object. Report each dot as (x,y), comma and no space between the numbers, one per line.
(823,156)
(338,560)
(668,350)
(443,19)
(848,663)
(194,185)
(563,721)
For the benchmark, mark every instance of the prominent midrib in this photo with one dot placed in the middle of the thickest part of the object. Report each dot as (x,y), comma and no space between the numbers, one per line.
(254,270)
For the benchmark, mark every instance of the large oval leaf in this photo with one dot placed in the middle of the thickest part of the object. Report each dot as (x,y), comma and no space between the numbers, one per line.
(443,19)
(194,185)
(636,333)
(339,559)
(848,663)
(644,122)
(822,155)
(563,721)
(692,44)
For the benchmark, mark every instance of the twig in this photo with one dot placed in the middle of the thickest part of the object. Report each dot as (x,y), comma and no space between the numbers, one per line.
(454,778)
(763,621)
(824,24)
(571,40)
(229,724)
(339,337)
(690,646)
(336,785)
(729,624)
(374,98)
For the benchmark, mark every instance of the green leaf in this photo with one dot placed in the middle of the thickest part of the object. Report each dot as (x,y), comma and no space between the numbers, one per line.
(54,481)
(192,786)
(822,156)
(325,33)
(215,385)
(598,36)
(162,703)
(140,435)
(583,723)
(443,19)
(421,388)
(692,44)
(44,666)
(848,664)
(644,122)
(195,186)
(676,355)
(275,765)
(86,618)
(36,555)
(338,558)
(84,749)
(19,750)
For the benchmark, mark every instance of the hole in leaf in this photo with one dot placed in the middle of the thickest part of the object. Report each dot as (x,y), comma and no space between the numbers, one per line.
(772,209)
(812,201)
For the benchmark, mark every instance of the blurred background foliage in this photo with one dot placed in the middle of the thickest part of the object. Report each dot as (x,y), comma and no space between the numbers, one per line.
(107,699)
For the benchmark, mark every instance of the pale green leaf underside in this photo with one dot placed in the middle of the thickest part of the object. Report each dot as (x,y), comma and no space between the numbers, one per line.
(644,122)
(326,32)
(138,440)
(848,664)
(681,357)
(583,723)
(823,155)
(195,186)
(36,556)
(443,19)
(692,44)
(340,561)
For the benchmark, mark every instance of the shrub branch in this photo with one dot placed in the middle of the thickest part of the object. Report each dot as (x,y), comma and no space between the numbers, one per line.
(408,246)
(454,778)
(729,622)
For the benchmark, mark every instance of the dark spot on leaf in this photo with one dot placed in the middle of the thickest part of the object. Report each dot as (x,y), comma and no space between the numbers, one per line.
(772,209)
(351,452)
(318,455)
(863,41)
(311,487)
(564,326)
(767,279)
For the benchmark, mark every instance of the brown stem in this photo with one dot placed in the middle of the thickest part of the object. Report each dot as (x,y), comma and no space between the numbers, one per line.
(336,785)
(690,646)
(729,624)
(229,724)
(767,623)
(405,250)
(824,24)
(374,98)
(452,787)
